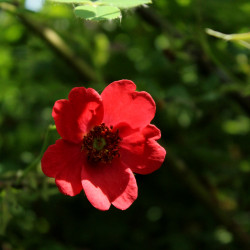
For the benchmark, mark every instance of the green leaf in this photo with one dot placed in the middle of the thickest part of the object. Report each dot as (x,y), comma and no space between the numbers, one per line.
(125,4)
(72,1)
(97,13)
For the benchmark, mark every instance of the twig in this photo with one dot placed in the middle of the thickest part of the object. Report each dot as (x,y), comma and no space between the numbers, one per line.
(240,38)
(228,37)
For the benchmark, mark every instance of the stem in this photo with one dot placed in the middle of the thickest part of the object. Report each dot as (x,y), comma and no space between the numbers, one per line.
(240,38)
(228,37)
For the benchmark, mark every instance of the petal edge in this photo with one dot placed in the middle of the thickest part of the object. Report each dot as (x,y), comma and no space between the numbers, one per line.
(122,103)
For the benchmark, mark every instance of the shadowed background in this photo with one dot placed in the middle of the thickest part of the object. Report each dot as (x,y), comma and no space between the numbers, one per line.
(199,198)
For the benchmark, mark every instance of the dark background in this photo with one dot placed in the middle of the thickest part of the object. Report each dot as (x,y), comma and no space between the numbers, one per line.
(200,197)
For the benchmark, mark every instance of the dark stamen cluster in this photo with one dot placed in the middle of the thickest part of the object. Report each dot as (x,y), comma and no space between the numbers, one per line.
(101,144)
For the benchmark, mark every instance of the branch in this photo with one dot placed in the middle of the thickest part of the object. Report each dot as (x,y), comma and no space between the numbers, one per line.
(55,42)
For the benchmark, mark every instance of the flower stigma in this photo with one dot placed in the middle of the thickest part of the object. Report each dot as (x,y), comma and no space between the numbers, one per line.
(101,144)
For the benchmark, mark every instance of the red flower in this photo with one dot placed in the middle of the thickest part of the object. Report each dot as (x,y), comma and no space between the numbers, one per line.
(105,138)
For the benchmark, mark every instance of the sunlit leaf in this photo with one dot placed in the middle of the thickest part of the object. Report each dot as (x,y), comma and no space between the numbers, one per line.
(125,3)
(71,1)
(97,13)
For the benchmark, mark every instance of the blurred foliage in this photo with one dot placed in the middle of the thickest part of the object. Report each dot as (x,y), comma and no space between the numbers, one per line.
(201,86)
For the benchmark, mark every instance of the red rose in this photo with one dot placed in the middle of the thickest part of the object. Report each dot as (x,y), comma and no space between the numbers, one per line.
(105,138)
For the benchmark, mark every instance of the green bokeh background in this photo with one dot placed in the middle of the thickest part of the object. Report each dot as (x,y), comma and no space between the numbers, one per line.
(201,88)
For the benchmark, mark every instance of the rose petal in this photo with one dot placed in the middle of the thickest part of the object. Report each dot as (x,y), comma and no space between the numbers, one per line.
(63,161)
(109,183)
(141,152)
(123,104)
(76,116)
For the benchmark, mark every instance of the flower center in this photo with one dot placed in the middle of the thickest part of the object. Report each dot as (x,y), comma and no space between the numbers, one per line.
(101,144)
